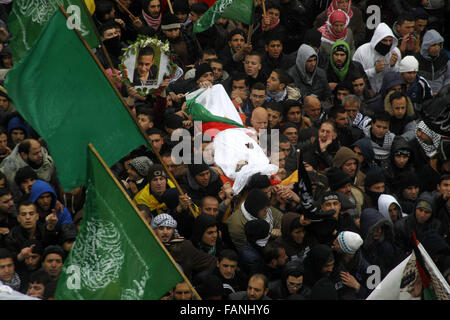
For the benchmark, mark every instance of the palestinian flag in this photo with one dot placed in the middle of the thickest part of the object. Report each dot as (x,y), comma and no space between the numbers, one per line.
(214,109)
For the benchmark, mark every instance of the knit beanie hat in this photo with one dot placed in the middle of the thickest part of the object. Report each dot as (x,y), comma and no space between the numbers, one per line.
(23,174)
(407,179)
(337,178)
(68,232)
(180,6)
(199,8)
(141,165)
(313,37)
(409,64)
(195,169)
(201,70)
(373,177)
(170,21)
(256,200)
(163,220)
(156,170)
(349,241)
(53,249)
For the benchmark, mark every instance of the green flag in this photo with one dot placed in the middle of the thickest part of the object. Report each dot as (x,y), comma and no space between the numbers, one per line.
(64,95)
(236,10)
(116,256)
(28,18)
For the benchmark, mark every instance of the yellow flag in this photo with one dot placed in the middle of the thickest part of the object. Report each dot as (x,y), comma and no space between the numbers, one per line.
(90,4)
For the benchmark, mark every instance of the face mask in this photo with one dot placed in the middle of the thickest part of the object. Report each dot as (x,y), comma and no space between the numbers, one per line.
(382,48)
(113,45)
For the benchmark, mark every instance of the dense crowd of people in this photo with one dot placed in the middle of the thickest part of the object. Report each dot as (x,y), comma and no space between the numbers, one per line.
(360,88)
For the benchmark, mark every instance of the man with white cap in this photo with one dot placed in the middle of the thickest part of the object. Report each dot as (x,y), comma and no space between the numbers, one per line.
(417,87)
(346,245)
(191,259)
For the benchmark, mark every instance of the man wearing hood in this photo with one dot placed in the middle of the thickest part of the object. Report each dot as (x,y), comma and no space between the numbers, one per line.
(379,55)
(420,221)
(392,81)
(378,248)
(407,188)
(401,160)
(390,208)
(347,160)
(434,64)
(374,186)
(44,197)
(320,263)
(364,151)
(341,67)
(295,239)
(308,77)
(290,286)
(205,235)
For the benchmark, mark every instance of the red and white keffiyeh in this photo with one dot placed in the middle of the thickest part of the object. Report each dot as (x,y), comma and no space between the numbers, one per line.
(327,29)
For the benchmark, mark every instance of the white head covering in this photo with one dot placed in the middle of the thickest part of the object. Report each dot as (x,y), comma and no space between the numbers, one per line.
(349,241)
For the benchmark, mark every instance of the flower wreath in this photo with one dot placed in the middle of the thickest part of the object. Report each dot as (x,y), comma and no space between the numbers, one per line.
(142,42)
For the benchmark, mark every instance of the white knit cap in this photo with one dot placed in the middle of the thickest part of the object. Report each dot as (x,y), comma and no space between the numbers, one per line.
(349,241)
(409,64)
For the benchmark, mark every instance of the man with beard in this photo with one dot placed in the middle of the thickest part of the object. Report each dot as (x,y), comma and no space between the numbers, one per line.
(233,54)
(44,197)
(30,153)
(257,289)
(184,45)
(150,18)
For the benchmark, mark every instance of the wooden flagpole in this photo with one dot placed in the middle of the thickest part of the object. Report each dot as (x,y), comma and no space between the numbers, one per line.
(169,173)
(170,6)
(120,4)
(142,218)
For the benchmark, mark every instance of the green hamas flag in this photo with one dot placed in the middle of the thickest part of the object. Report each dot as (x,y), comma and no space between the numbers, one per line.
(236,10)
(61,91)
(28,18)
(116,256)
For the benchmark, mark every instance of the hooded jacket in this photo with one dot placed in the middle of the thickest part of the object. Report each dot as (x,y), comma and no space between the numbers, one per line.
(197,192)
(435,70)
(406,226)
(365,145)
(294,250)
(368,56)
(390,169)
(390,80)
(316,259)
(317,83)
(278,289)
(380,252)
(40,187)
(384,202)
(344,154)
